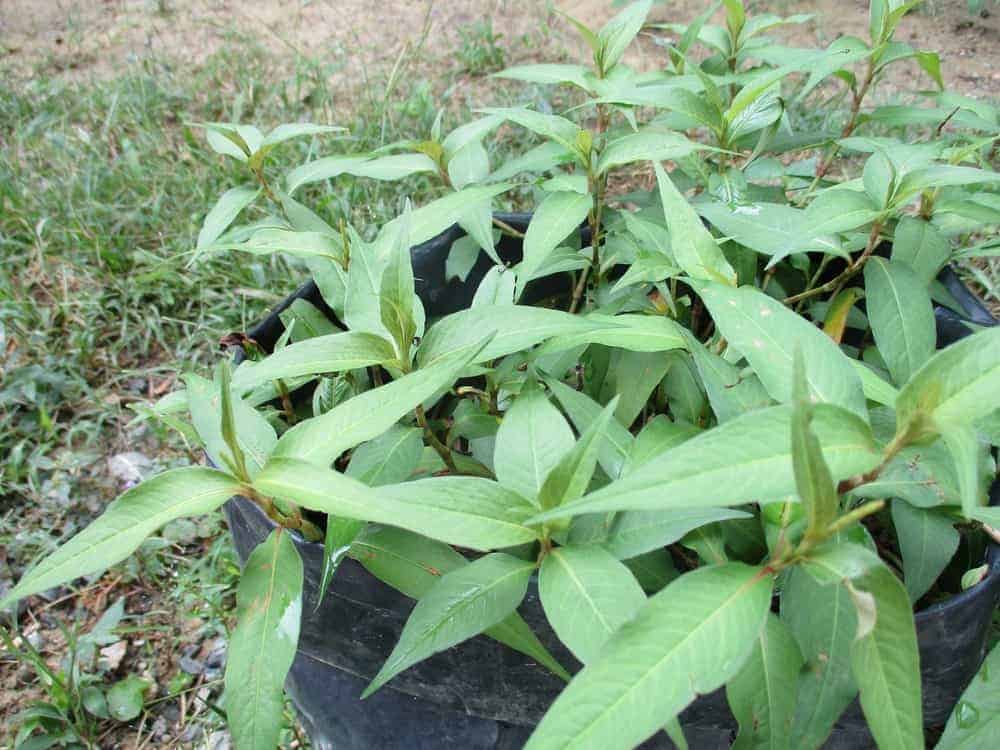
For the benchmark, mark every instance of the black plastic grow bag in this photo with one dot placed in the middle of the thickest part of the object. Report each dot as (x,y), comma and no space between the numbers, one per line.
(481,695)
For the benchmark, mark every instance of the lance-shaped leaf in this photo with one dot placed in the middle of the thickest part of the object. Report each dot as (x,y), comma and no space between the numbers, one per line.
(397,298)
(412,564)
(927,542)
(461,604)
(321,439)
(874,387)
(824,622)
(646,145)
(392,167)
(901,316)
(729,391)
(690,638)
(967,454)
(262,646)
(515,327)
(953,385)
(920,245)
(587,595)
(548,73)
(694,247)
(938,176)
(762,694)
(975,721)
(617,34)
(770,229)
(532,439)
(291,130)
(253,433)
(583,411)
(740,461)
(468,511)
(812,476)
(335,352)
(119,531)
(557,215)
(634,332)
(569,478)
(766,332)
(886,663)
(551,127)
(224,212)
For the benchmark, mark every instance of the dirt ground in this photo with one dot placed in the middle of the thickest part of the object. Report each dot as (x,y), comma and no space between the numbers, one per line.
(81,38)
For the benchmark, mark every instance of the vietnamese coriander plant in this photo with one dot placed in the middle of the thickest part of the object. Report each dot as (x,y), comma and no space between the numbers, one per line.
(726,444)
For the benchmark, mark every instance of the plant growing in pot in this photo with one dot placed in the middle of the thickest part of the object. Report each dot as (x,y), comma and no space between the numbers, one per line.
(718,445)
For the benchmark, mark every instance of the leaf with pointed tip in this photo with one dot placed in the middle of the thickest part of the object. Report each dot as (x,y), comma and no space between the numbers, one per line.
(262,646)
(813,482)
(967,453)
(616,441)
(551,127)
(253,432)
(321,439)
(224,212)
(570,477)
(770,229)
(901,316)
(939,176)
(927,542)
(532,439)
(558,215)
(920,245)
(547,73)
(740,461)
(694,247)
(766,333)
(119,531)
(690,638)
(729,391)
(762,694)
(953,385)
(632,331)
(461,604)
(975,721)
(392,167)
(297,130)
(412,564)
(617,34)
(515,327)
(646,145)
(587,595)
(468,511)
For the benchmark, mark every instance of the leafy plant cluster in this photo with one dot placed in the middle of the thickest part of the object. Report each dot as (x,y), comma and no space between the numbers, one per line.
(735,405)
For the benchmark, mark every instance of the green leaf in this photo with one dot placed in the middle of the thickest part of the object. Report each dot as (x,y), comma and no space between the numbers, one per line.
(340,535)
(616,441)
(730,392)
(461,604)
(469,165)
(939,176)
(901,316)
(963,444)
(388,459)
(873,386)
(262,646)
(397,299)
(412,564)
(468,511)
(634,378)
(762,694)
(953,385)
(740,461)
(125,698)
(653,570)
(690,638)
(694,248)
(548,73)
(297,130)
(570,477)
(253,433)
(618,33)
(636,532)
(927,542)
(513,327)
(886,664)
(335,352)
(657,436)
(768,228)
(709,542)
(271,240)
(541,158)
(532,439)
(393,167)
(587,595)
(812,476)
(976,719)
(634,332)
(321,439)
(119,531)
(879,179)
(224,212)
(824,622)
(838,210)
(550,127)
(921,246)
(646,145)
(306,321)
(558,215)
(767,333)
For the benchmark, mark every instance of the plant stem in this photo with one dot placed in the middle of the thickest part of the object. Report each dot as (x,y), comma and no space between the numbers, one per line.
(836,283)
(598,186)
(506,228)
(440,448)
(854,516)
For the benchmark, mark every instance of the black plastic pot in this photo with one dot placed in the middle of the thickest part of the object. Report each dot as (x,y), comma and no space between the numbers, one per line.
(481,695)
